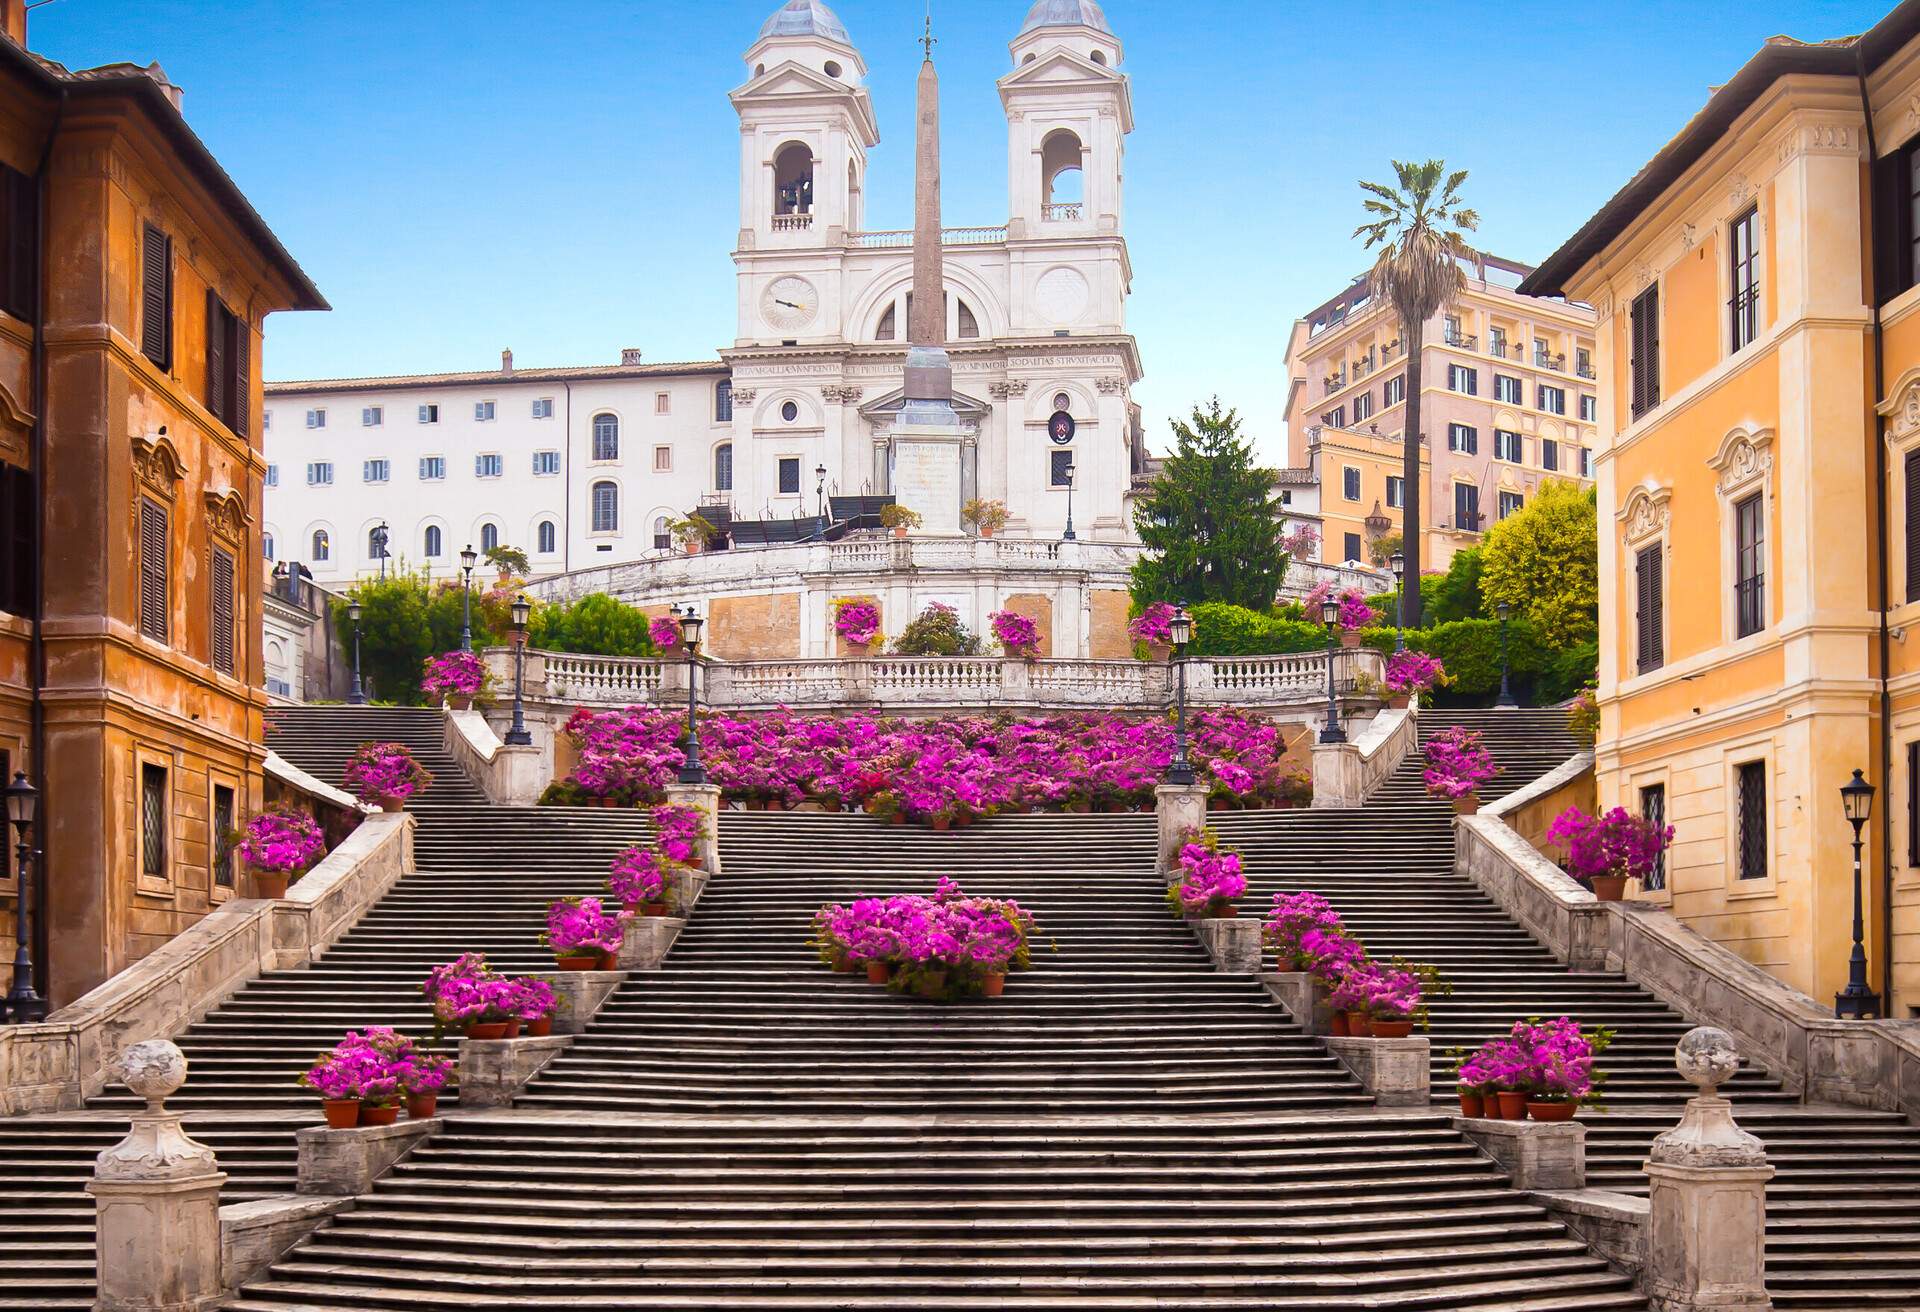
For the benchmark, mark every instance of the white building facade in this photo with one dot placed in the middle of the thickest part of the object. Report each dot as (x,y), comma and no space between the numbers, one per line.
(585,467)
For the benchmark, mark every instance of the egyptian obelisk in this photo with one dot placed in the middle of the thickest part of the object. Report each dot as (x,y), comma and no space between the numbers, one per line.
(927,438)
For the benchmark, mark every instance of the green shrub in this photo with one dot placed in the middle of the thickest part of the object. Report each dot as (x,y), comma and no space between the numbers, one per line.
(1454,595)
(936,631)
(1223,629)
(595,625)
(1569,671)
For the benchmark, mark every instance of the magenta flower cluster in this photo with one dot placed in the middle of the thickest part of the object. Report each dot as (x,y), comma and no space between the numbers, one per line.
(664,631)
(1209,877)
(466,991)
(1552,1061)
(644,875)
(679,831)
(1294,918)
(1153,624)
(1457,763)
(384,770)
(577,926)
(1015,632)
(1616,843)
(1354,611)
(1411,673)
(1382,992)
(376,1066)
(974,936)
(454,673)
(856,621)
(282,839)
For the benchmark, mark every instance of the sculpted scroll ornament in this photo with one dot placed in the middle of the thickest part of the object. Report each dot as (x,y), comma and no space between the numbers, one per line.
(1011,387)
(1645,514)
(157,465)
(1743,458)
(227,516)
(1110,386)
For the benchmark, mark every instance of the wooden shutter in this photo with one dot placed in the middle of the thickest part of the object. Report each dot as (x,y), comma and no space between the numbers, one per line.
(1652,301)
(240,374)
(20,264)
(217,367)
(1648,616)
(1912,489)
(18,572)
(153,570)
(222,611)
(156,297)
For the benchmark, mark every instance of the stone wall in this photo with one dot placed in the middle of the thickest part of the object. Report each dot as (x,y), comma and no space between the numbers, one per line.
(752,628)
(1108,640)
(1036,606)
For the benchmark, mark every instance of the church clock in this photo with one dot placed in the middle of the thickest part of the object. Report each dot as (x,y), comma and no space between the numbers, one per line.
(789,303)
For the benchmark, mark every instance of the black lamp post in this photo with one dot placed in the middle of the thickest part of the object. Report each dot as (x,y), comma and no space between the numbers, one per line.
(467,560)
(1398,563)
(24,1005)
(380,535)
(518,736)
(820,488)
(1331,732)
(1506,701)
(358,697)
(692,772)
(1068,535)
(1180,629)
(1856,1001)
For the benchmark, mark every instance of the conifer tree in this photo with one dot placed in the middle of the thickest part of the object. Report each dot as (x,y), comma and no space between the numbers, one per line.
(1208,520)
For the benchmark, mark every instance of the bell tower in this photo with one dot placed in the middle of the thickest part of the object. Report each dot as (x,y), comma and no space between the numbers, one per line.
(1068,113)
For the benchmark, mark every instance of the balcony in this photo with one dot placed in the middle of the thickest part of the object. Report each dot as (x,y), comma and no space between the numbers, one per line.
(1464,341)
(903,237)
(1390,351)
(1335,382)
(1069,212)
(1362,367)
(792,222)
(1583,371)
(1557,363)
(1467,521)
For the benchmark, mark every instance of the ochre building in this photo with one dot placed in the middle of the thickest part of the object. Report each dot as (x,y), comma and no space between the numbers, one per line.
(134,280)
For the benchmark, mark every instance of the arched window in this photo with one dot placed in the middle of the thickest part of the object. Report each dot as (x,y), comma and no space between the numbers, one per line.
(662,536)
(969,325)
(545,535)
(606,437)
(606,508)
(793,179)
(266,544)
(376,543)
(889,325)
(322,545)
(1060,177)
(723,467)
(430,546)
(489,537)
(723,401)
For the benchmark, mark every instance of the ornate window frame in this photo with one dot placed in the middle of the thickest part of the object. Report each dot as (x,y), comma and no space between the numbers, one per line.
(1743,465)
(1760,749)
(1901,411)
(164,884)
(1646,518)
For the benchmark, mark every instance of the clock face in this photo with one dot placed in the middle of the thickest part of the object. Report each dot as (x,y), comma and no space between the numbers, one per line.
(789,302)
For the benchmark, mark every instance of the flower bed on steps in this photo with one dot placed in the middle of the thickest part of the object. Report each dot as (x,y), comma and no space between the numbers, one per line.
(1370,999)
(942,948)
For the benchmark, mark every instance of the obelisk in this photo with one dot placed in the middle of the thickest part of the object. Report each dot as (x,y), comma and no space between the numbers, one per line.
(928,437)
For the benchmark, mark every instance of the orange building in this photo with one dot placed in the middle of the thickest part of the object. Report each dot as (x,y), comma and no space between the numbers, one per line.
(1759,482)
(134,280)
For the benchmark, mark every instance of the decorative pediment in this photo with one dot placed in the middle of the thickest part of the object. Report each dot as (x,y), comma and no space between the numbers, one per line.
(1059,65)
(1744,457)
(12,413)
(227,516)
(1646,514)
(15,427)
(1902,406)
(157,465)
(885,408)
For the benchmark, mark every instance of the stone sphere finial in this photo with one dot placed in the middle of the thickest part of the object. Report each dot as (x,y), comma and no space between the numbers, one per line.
(1707,1058)
(153,1070)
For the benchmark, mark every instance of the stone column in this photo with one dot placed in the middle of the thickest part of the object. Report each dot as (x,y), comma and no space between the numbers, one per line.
(1178,808)
(704,798)
(157,1198)
(1707,1194)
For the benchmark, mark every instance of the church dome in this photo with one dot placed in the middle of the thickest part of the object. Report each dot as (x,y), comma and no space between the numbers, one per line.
(1065,13)
(806,18)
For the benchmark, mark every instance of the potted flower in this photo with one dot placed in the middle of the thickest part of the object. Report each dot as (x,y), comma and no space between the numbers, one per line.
(987,517)
(1355,615)
(1457,764)
(1394,1004)
(899,518)
(1015,632)
(1473,1080)
(1292,917)
(1560,1075)
(1209,878)
(857,621)
(533,1003)
(475,999)
(680,832)
(664,633)
(1153,627)
(692,533)
(581,934)
(343,1078)
(1328,957)
(419,1075)
(1603,852)
(281,845)
(1352,994)
(1583,716)
(385,775)
(1412,674)
(831,930)
(456,678)
(642,879)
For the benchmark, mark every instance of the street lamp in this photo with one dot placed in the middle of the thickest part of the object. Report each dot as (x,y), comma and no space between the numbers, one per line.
(1068,535)
(820,488)
(380,535)
(1506,701)
(1180,629)
(358,696)
(1856,1001)
(1398,563)
(24,1005)
(1331,732)
(692,772)
(467,559)
(518,736)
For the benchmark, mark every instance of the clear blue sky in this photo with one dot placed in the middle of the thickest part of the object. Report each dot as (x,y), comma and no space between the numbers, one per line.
(558,176)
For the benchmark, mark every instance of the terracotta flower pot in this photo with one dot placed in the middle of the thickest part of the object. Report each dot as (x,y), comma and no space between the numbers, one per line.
(940,823)
(1399,700)
(513,1028)
(899,530)
(897,818)
(1471,1104)
(653,908)
(931,984)
(1513,1105)
(270,883)
(538,1029)
(858,650)
(379,1115)
(422,1106)
(879,972)
(1216,804)
(1468,805)
(1359,1025)
(776,804)
(1390,1029)
(342,1113)
(1552,1111)
(460,701)
(1349,638)
(1338,1027)
(609,961)
(392,804)
(492,1029)
(962,820)
(578,961)
(1221,909)
(993,985)
(986,531)
(1610,888)
(1158,652)
(844,966)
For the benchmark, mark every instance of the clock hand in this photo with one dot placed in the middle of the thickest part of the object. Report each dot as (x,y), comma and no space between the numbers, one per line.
(789,304)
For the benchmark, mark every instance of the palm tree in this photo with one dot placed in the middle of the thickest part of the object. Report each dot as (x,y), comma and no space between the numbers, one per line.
(1417,225)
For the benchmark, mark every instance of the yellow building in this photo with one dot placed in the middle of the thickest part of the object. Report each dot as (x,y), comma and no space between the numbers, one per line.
(1758,308)
(1358,474)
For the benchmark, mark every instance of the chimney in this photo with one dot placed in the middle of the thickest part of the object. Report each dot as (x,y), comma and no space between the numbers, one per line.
(506,362)
(167,84)
(13,18)
(630,355)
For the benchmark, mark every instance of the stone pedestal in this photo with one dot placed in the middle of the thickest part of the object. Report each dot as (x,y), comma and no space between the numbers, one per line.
(1306,997)
(1234,944)
(1178,808)
(686,893)
(347,1162)
(1397,1072)
(1535,1154)
(157,1200)
(1707,1195)
(704,798)
(494,1071)
(647,940)
(926,472)
(578,996)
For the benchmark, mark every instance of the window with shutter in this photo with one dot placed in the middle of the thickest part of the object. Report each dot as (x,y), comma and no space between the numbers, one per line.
(1653,809)
(223,829)
(1645,366)
(20,261)
(1648,617)
(229,351)
(156,297)
(1750,587)
(153,570)
(17,516)
(217,336)
(222,582)
(1912,489)
(1913,803)
(153,821)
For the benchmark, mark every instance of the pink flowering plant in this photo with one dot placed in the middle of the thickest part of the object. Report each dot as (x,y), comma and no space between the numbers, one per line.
(1315,598)
(467,991)
(1615,843)
(1549,1061)
(379,771)
(356,1069)
(1017,633)
(857,621)
(1208,877)
(1328,955)
(1412,673)
(641,876)
(1354,612)
(283,839)
(680,833)
(455,674)
(942,946)
(530,998)
(1293,917)
(1153,624)
(664,632)
(579,926)
(1457,763)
